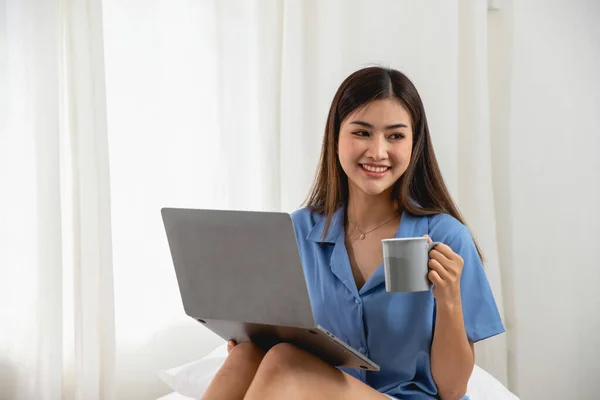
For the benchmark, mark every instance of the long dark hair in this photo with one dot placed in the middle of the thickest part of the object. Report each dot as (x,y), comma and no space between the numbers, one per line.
(421,189)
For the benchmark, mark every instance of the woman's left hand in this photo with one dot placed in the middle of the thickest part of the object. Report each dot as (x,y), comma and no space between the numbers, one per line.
(445,271)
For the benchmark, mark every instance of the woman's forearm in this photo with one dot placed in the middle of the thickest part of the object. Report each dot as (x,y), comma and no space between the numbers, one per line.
(452,356)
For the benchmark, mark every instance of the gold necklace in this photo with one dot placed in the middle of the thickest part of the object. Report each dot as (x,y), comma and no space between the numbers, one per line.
(364,234)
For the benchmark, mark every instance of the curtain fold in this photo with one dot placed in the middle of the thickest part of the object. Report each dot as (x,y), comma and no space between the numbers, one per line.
(475,180)
(85,124)
(55,204)
(30,209)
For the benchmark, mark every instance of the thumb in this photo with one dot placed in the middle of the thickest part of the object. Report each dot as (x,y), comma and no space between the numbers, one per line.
(428,238)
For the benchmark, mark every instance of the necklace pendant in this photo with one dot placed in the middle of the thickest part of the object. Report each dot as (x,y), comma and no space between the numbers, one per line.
(362,236)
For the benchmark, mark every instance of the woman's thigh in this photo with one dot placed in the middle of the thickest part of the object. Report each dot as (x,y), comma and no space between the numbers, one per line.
(287,372)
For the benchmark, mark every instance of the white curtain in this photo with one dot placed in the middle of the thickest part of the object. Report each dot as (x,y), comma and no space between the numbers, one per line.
(474,154)
(222,104)
(56,289)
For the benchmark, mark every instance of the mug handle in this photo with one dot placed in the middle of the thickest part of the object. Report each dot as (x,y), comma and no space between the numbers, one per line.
(431,245)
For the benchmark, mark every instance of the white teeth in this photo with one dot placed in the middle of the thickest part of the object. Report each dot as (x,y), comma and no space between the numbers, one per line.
(374,169)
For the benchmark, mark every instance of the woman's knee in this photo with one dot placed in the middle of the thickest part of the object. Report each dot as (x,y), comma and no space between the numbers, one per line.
(245,354)
(286,369)
(282,360)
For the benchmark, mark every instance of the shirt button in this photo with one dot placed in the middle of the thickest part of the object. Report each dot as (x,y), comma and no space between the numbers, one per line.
(357,301)
(362,350)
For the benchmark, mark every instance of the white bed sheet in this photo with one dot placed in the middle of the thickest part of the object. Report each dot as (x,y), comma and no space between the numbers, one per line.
(174,396)
(193,378)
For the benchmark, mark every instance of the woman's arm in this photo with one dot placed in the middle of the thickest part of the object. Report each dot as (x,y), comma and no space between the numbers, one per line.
(452,356)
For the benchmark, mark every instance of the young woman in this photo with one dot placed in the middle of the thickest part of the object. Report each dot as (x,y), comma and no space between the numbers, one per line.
(378,178)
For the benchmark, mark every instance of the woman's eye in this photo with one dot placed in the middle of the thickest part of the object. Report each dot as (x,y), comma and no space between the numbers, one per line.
(361,133)
(396,136)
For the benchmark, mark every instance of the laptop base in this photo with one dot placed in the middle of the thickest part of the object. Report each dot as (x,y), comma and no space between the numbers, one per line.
(316,341)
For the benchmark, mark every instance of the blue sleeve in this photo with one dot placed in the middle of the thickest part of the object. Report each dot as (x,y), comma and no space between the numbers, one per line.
(482,319)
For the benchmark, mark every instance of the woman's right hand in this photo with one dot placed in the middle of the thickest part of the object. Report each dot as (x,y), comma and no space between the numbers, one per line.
(230,345)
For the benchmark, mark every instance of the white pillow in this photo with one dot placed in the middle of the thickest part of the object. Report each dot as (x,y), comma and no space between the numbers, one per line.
(192,379)
(483,386)
(174,396)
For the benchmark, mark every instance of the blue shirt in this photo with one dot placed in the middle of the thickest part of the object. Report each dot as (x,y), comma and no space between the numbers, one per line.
(395,330)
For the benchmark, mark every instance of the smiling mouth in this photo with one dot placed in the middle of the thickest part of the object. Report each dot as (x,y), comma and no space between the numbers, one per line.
(374,169)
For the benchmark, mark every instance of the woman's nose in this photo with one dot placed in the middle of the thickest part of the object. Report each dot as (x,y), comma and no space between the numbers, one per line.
(377,148)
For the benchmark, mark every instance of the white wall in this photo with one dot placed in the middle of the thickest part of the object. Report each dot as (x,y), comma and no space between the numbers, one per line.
(544,63)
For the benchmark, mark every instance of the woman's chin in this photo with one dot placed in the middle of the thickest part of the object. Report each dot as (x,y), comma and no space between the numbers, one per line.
(375,190)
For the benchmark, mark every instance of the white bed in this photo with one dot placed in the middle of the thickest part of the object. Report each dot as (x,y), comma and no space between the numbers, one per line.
(174,396)
(190,380)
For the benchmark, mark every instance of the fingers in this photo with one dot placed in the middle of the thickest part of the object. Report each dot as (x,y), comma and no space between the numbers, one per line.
(446,251)
(435,278)
(439,253)
(442,248)
(439,270)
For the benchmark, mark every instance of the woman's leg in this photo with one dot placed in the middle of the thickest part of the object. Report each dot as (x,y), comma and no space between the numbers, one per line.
(287,372)
(236,374)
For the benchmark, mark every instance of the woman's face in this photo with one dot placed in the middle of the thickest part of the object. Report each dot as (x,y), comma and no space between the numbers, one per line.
(375,145)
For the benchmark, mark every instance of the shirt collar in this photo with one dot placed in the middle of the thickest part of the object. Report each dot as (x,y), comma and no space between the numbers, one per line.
(410,226)
(335,228)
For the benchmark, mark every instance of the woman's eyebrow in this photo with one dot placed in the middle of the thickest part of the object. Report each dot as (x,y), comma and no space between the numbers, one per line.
(368,125)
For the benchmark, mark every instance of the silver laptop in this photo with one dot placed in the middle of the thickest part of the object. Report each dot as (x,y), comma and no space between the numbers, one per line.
(240,275)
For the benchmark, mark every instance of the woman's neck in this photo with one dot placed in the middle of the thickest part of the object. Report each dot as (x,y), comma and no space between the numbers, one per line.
(370,211)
